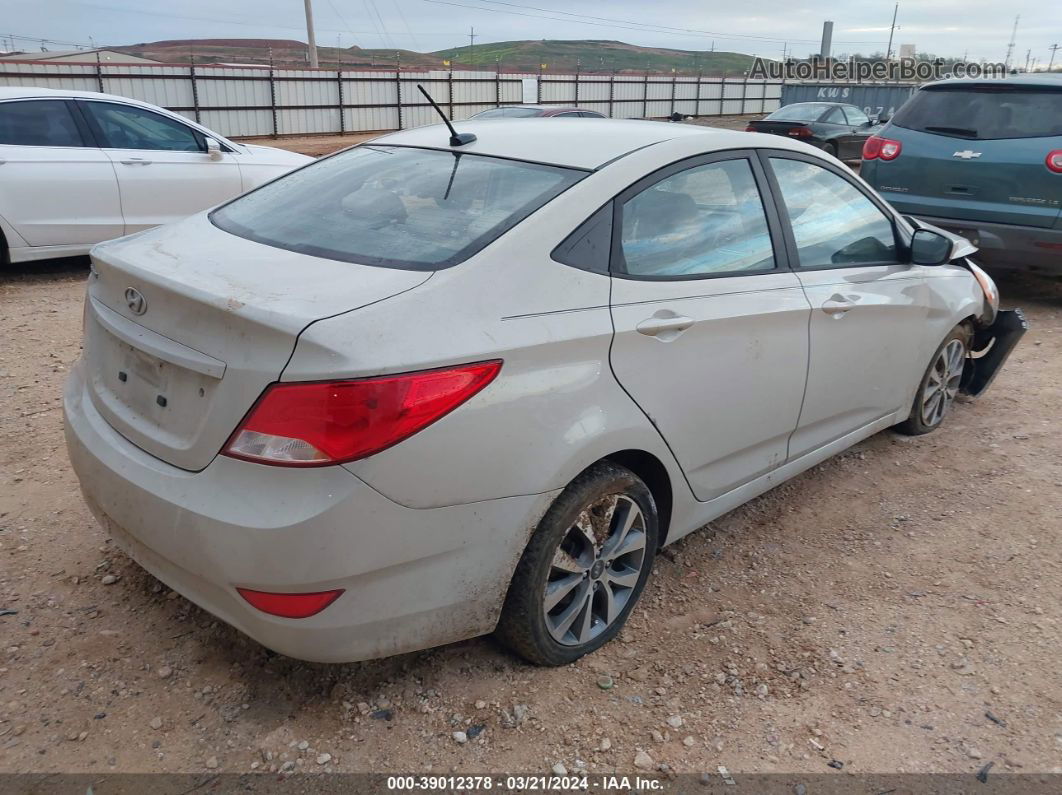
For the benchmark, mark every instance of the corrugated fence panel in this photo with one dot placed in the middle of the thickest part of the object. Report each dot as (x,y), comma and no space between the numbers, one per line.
(241,101)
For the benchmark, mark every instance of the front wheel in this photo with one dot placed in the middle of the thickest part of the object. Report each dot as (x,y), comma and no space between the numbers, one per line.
(939,386)
(583,569)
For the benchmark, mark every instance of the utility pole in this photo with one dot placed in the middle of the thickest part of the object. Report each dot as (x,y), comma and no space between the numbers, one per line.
(311,42)
(1053,48)
(471,46)
(827,39)
(1028,55)
(1013,36)
(892,30)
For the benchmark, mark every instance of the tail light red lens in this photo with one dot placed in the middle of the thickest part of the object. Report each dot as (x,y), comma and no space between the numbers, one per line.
(1054,161)
(290,605)
(886,148)
(750,128)
(319,423)
(801,132)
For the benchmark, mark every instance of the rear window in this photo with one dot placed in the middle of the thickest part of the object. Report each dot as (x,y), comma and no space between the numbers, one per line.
(508,113)
(798,112)
(984,112)
(390,206)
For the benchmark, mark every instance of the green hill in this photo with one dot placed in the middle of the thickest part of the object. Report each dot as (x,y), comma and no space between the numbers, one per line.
(559,55)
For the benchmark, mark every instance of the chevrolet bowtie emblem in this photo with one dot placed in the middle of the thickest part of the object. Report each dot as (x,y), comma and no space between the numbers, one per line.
(966,154)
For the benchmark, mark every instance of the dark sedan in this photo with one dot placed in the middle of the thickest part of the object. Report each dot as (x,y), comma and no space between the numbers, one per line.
(528,111)
(834,127)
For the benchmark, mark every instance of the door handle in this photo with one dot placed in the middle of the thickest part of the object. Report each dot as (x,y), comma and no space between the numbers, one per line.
(837,305)
(665,325)
(136,161)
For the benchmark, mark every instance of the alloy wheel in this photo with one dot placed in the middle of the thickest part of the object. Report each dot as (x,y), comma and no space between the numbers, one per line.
(594,570)
(943,383)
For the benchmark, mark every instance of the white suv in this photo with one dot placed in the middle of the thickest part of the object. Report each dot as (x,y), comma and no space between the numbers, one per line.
(77,168)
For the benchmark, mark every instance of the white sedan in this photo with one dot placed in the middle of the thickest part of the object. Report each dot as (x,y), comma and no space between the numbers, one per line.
(437,385)
(78,168)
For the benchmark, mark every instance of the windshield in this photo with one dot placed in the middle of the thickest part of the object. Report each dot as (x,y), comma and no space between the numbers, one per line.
(400,207)
(508,113)
(984,112)
(804,111)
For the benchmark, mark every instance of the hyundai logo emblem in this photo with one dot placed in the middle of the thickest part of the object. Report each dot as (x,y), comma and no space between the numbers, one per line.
(135,300)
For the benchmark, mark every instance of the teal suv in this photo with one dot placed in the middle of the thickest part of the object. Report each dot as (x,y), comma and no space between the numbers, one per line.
(982,158)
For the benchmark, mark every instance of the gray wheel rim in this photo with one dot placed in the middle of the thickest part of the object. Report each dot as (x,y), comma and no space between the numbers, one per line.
(943,383)
(594,570)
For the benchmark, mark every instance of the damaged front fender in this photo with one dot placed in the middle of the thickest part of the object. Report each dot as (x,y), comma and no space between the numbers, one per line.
(991,346)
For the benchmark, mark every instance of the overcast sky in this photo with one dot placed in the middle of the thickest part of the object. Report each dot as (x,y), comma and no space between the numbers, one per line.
(980,28)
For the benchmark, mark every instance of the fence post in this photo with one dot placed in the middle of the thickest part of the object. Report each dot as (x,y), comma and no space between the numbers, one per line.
(645,94)
(450,88)
(398,88)
(611,92)
(497,83)
(744,90)
(99,72)
(273,98)
(195,89)
(339,85)
(674,77)
(697,107)
(538,86)
(578,66)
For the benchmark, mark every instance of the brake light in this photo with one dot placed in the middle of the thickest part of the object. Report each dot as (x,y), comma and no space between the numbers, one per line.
(801,132)
(1054,161)
(750,128)
(290,605)
(877,147)
(319,423)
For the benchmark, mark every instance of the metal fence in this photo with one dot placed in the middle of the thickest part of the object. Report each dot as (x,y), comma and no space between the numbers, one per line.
(245,101)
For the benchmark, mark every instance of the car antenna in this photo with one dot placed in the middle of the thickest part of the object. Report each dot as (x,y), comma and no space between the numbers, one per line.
(456,139)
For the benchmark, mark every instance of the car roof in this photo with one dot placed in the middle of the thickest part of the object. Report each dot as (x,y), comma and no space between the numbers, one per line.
(30,92)
(1044,79)
(578,143)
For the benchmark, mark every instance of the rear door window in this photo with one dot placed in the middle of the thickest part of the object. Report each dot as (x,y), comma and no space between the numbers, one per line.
(835,116)
(981,113)
(38,122)
(392,206)
(856,117)
(706,220)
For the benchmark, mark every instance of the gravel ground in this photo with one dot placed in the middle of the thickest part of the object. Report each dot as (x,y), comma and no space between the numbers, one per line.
(896,609)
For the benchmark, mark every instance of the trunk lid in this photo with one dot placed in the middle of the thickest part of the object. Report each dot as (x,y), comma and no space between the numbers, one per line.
(219,320)
(777,127)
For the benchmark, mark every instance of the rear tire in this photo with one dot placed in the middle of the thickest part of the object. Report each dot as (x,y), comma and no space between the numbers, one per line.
(583,569)
(830,148)
(939,386)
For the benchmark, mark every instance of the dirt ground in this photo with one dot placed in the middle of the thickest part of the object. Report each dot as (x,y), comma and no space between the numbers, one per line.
(895,609)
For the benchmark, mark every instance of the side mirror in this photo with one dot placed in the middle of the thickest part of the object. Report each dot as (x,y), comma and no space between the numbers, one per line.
(929,248)
(213,149)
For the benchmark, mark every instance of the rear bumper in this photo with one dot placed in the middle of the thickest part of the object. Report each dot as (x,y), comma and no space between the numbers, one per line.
(412,578)
(996,343)
(1003,245)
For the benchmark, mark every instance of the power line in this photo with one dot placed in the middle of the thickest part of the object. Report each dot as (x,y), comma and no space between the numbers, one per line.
(625,24)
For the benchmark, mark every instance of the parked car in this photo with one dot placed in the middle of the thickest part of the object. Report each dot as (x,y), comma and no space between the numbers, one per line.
(982,158)
(414,392)
(834,127)
(77,168)
(530,111)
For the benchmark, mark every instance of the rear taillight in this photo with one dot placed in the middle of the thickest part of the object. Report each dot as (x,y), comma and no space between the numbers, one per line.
(319,423)
(750,128)
(1054,161)
(877,147)
(801,132)
(290,605)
